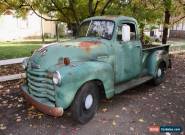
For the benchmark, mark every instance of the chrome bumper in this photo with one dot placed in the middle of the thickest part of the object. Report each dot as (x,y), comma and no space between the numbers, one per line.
(50,110)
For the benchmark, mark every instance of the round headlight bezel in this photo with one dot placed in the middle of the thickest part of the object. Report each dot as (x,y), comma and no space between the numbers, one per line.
(57,78)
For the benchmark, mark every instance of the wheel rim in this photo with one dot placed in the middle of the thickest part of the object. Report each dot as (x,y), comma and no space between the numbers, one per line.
(88,101)
(159,72)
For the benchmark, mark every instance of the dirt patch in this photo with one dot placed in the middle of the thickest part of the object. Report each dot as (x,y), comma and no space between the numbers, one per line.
(129,113)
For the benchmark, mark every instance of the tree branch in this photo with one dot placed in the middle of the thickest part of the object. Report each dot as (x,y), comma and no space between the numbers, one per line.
(90,6)
(61,10)
(46,19)
(71,4)
(105,6)
(96,5)
(178,20)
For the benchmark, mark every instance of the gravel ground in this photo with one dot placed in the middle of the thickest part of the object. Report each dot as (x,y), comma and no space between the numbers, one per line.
(130,113)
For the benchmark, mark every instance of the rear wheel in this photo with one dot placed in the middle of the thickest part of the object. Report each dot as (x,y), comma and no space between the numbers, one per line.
(85,103)
(160,74)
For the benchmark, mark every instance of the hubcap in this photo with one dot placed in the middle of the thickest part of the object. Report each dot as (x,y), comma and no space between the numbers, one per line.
(88,101)
(159,72)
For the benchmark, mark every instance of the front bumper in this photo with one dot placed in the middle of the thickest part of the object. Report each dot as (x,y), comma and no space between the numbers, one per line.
(43,107)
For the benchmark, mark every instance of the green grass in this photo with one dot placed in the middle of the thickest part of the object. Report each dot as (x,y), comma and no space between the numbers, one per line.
(10,50)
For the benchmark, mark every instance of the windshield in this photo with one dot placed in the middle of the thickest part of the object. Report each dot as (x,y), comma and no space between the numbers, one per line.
(97,28)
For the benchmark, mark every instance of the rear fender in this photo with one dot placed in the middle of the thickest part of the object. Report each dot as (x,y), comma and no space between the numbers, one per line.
(155,59)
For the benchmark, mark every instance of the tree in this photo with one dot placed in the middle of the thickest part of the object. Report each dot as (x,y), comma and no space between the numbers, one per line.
(145,11)
(171,8)
(71,12)
(167,8)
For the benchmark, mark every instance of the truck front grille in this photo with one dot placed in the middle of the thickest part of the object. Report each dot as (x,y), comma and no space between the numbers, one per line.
(40,85)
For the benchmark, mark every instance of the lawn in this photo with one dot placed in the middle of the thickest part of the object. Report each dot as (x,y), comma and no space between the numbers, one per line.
(17,49)
(14,49)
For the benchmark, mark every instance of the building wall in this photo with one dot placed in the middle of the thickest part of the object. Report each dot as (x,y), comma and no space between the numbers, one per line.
(178,30)
(16,28)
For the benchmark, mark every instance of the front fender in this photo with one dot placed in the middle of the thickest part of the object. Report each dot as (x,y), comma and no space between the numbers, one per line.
(155,59)
(73,77)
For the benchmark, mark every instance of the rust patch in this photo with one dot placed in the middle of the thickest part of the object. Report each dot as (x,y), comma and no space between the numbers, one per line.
(53,111)
(89,43)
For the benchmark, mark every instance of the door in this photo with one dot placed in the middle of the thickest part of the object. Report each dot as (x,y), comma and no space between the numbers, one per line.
(128,55)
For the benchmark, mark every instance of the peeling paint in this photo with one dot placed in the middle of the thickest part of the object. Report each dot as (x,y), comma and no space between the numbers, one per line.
(89,43)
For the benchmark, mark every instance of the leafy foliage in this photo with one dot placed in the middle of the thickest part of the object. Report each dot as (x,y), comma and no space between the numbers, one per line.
(73,12)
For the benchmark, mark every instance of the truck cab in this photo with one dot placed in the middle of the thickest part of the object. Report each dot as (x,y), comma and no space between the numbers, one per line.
(106,58)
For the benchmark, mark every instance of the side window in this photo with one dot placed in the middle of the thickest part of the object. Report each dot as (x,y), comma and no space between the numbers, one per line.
(132,32)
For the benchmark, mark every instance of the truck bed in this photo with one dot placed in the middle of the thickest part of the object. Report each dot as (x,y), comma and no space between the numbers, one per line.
(155,47)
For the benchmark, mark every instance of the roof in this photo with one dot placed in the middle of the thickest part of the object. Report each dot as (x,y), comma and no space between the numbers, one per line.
(113,18)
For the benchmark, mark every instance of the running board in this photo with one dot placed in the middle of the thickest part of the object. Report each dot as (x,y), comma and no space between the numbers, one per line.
(130,84)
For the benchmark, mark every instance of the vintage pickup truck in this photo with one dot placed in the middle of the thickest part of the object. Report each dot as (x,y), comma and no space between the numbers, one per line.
(106,58)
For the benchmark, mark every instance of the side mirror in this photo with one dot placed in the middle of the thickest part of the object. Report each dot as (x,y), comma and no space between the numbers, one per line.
(125,33)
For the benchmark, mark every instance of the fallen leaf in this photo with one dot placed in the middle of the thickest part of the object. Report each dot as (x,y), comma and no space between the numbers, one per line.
(20,99)
(2,127)
(40,117)
(141,120)
(117,116)
(124,109)
(18,119)
(113,123)
(104,110)
(1,86)
(62,126)
(5,102)
(31,108)
(144,98)
(131,129)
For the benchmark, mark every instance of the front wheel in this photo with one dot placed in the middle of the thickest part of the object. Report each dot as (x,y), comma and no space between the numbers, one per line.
(85,103)
(160,74)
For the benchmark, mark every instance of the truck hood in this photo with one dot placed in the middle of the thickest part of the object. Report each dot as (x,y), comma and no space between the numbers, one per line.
(76,50)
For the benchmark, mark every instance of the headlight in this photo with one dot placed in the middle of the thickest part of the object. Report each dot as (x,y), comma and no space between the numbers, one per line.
(25,63)
(57,78)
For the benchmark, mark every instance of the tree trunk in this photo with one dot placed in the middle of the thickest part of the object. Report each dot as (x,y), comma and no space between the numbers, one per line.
(42,31)
(142,25)
(90,5)
(57,32)
(165,27)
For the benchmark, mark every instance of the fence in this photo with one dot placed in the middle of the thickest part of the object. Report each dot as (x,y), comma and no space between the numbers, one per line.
(14,76)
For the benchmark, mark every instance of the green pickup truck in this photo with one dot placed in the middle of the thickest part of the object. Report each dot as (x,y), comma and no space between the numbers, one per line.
(105,59)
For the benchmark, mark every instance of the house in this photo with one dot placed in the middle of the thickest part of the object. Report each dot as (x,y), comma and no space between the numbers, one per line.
(13,28)
(178,29)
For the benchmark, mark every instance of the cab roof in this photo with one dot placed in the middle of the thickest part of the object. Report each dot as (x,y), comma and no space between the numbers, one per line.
(112,18)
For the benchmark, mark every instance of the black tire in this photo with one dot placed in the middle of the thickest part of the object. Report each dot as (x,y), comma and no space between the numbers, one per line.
(80,111)
(160,77)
